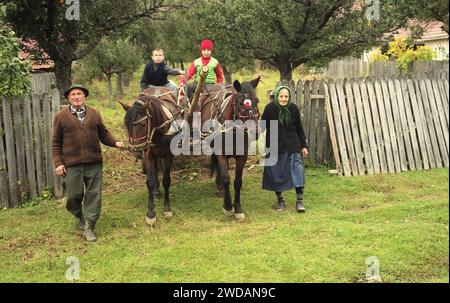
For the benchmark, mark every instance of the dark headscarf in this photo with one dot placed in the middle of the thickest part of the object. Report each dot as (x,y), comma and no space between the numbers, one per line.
(284,115)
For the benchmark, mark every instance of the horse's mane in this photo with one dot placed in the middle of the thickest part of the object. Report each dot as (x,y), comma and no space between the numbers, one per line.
(137,110)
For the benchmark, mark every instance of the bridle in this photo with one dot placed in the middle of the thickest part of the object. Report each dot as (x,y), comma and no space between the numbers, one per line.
(134,146)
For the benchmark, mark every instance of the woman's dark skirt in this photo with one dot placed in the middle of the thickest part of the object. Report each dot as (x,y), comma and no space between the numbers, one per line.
(286,174)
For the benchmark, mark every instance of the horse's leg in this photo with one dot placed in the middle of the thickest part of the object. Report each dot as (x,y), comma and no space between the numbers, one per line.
(219,184)
(157,191)
(240,164)
(225,180)
(167,165)
(150,168)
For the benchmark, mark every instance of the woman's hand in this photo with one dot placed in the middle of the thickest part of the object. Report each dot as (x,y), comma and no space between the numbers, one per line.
(305,152)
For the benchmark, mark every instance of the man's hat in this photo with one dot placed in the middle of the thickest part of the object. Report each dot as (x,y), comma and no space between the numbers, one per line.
(206,44)
(73,86)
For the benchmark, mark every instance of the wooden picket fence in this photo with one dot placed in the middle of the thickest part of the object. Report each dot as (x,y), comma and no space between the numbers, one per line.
(310,99)
(378,125)
(389,125)
(26,166)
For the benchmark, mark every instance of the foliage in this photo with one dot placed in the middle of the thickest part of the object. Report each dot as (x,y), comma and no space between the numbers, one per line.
(115,56)
(377,56)
(404,52)
(46,195)
(289,33)
(15,74)
(67,40)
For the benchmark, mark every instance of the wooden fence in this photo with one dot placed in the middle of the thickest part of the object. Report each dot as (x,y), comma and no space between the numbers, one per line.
(26,167)
(388,125)
(357,67)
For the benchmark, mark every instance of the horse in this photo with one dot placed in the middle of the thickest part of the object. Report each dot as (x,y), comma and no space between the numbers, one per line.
(236,103)
(150,126)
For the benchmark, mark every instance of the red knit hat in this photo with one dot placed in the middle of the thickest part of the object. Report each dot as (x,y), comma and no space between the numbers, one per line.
(206,44)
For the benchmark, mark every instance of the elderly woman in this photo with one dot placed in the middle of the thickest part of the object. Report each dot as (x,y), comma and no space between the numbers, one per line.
(288,172)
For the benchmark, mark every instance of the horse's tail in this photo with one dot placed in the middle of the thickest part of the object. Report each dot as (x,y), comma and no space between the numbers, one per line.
(214,165)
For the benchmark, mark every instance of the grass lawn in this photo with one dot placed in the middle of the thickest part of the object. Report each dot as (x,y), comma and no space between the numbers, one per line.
(402,219)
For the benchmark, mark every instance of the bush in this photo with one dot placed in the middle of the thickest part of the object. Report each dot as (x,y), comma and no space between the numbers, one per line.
(15,77)
(404,53)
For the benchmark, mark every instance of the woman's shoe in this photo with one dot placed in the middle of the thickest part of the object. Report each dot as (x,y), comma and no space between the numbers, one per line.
(299,207)
(281,205)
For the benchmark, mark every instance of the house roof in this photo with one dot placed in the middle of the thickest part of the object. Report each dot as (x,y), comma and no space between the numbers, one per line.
(432,31)
(43,63)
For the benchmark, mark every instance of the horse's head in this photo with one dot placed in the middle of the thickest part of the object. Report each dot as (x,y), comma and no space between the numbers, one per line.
(138,121)
(246,101)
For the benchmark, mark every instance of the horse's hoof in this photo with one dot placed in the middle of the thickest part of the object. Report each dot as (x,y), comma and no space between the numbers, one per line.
(228,213)
(239,216)
(168,214)
(150,221)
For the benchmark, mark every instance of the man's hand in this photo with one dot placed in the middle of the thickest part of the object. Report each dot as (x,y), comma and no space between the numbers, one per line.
(61,170)
(182,72)
(305,152)
(119,144)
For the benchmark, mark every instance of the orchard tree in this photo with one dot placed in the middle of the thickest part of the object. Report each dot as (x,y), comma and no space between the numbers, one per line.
(70,32)
(289,33)
(114,56)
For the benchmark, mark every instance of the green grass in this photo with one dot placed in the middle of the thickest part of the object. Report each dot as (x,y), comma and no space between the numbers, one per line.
(402,219)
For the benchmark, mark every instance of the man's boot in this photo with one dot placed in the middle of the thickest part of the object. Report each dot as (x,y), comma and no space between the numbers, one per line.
(80,222)
(89,231)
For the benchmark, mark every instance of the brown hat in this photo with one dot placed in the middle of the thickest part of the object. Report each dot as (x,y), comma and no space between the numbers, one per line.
(73,86)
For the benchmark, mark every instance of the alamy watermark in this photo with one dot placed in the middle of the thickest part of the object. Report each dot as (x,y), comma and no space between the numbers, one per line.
(73,271)
(373,10)
(373,269)
(228,138)
(73,10)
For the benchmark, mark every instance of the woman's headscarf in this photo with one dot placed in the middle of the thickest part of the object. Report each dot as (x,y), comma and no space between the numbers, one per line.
(284,115)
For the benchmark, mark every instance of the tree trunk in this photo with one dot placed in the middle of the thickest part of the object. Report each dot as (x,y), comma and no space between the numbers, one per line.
(127,77)
(63,74)
(119,87)
(108,77)
(227,74)
(285,72)
(182,64)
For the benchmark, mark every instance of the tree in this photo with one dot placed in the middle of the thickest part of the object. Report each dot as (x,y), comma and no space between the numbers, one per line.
(114,56)
(15,73)
(289,33)
(431,10)
(47,22)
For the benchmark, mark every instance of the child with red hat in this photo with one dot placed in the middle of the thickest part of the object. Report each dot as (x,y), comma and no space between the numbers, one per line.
(215,74)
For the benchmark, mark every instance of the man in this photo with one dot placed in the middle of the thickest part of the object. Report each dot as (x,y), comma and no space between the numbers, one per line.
(76,153)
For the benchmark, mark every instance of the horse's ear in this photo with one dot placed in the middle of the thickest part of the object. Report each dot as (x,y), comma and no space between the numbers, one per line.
(126,107)
(255,82)
(237,86)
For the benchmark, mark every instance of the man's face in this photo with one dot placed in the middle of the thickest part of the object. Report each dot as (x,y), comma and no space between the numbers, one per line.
(157,57)
(206,53)
(76,97)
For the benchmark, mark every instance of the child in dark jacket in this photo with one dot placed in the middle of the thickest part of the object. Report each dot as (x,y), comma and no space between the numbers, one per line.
(288,172)
(156,72)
